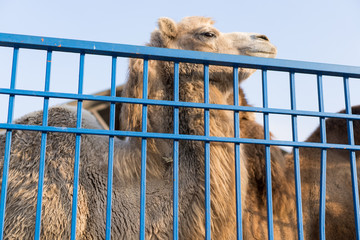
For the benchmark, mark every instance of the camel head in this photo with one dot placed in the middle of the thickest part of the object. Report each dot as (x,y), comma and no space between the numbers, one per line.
(191,33)
(199,34)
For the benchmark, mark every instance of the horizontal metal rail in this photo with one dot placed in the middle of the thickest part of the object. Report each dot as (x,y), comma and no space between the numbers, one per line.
(165,54)
(75,96)
(177,136)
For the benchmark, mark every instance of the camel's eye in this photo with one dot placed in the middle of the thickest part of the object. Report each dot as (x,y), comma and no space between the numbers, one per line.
(209,34)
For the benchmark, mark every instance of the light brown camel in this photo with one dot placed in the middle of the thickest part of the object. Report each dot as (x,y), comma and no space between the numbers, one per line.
(194,33)
(255,215)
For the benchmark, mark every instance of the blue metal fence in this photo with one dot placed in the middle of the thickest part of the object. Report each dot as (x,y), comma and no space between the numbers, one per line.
(148,53)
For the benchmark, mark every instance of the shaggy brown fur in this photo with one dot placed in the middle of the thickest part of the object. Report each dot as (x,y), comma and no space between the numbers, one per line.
(194,33)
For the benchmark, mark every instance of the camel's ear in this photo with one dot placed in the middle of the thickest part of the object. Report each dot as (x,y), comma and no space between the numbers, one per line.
(167,27)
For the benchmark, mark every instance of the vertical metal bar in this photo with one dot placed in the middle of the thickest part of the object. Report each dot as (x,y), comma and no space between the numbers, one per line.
(237,155)
(8,144)
(323,160)
(352,159)
(77,149)
(43,149)
(267,158)
(143,153)
(176,155)
(207,156)
(111,150)
(296,160)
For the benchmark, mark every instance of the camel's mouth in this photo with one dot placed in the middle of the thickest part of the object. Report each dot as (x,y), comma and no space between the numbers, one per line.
(271,53)
(262,52)
(252,44)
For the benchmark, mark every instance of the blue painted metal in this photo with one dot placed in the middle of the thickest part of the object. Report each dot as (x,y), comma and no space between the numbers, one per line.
(323,160)
(296,160)
(151,53)
(177,56)
(77,149)
(143,152)
(21,92)
(176,156)
(207,156)
(179,137)
(8,143)
(237,156)
(354,175)
(111,151)
(267,158)
(43,149)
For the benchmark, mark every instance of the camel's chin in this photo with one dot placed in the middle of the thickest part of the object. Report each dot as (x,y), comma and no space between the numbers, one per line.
(262,54)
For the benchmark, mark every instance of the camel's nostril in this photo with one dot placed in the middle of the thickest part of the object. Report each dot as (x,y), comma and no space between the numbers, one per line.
(263,37)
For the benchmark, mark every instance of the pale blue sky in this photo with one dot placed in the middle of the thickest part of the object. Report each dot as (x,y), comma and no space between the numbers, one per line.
(325,31)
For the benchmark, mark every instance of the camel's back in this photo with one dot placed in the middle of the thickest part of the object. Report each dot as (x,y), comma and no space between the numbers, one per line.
(58,179)
(339,210)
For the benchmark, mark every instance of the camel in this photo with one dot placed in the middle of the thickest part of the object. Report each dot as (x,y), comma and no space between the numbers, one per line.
(339,215)
(195,34)
(192,33)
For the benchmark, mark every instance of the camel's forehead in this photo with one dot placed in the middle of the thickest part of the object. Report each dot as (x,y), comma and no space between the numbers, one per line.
(194,22)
